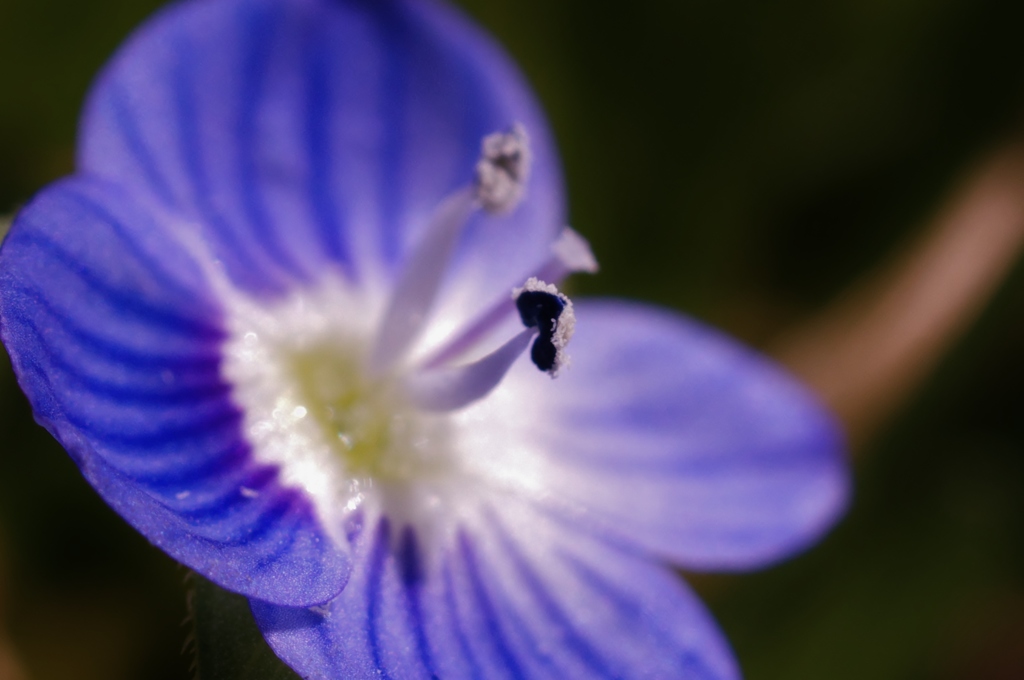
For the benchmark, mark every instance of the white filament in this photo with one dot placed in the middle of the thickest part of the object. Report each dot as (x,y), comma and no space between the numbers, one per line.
(413,296)
(448,389)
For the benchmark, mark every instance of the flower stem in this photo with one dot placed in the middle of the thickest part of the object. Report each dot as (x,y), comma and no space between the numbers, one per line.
(869,351)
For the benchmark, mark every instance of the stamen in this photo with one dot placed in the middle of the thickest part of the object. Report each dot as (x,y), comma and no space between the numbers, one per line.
(550,322)
(501,173)
(570,253)
(540,305)
(503,169)
(447,389)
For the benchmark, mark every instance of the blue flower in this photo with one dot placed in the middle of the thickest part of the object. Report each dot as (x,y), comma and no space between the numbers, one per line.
(272,320)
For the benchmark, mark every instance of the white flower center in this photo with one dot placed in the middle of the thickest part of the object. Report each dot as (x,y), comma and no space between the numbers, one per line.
(298,372)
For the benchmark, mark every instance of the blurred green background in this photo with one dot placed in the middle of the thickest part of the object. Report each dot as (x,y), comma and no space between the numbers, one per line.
(743,161)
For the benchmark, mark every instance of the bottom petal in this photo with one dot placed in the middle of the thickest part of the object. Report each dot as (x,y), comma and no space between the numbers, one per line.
(510,594)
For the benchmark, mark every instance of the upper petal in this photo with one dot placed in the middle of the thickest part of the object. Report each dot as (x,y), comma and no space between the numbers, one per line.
(309,135)
(668,435)
(115,339)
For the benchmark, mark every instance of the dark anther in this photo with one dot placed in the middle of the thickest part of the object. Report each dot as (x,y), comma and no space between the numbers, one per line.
(543,353)
(539,309)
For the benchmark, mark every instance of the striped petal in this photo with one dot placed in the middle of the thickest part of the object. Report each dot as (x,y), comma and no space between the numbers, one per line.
(510,593)
(670,436)
(116,340)
(312,135)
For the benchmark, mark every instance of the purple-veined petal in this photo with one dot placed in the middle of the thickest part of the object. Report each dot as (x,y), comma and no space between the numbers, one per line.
(310,135)
(670,436)
(116,340)
(509,593)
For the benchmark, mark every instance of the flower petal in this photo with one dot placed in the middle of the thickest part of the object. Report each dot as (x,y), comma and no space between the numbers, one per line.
(509,594)
(306,135)
(670,436)
(116,341)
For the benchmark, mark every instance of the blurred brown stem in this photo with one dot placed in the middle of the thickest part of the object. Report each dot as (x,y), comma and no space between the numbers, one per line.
(869,350)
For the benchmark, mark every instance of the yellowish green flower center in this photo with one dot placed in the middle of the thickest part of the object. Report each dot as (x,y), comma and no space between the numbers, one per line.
(366,422)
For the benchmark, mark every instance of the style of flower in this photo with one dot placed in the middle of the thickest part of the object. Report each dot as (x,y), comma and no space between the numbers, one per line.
(276,318)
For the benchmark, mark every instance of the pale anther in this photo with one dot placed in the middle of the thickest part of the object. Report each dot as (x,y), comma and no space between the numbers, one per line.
(503,169)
